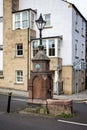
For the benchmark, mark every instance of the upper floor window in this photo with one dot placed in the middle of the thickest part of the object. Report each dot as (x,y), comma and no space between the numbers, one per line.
(59,47)
(44,44)
(76,48)
(35,47)
(36,44)
(17,20)
(1,19)
(32,20)
(82,52)
(1,47)
(83,27)
(19,50)
(51,47)
(48,20)
(76,22)
(19,76)
(24,19)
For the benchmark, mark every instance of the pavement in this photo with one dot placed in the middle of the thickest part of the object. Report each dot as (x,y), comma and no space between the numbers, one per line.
(82,96)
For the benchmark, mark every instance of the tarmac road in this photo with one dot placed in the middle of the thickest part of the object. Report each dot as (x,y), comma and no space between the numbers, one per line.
(14,121)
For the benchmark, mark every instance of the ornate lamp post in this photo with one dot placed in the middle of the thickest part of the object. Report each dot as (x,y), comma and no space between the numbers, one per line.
(40,25)
(41,71)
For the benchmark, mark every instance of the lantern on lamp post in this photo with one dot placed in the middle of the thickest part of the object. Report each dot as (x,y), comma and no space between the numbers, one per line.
(40,25)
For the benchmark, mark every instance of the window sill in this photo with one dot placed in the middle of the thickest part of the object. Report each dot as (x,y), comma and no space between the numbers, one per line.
(21,56)
(48,27)
(51,56)
(19,83)
(1,77)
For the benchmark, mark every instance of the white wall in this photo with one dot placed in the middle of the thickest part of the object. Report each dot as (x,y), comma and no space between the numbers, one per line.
(1,8)
(61,22)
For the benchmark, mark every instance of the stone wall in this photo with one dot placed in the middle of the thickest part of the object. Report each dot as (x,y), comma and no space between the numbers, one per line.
(57,107)
(12,63)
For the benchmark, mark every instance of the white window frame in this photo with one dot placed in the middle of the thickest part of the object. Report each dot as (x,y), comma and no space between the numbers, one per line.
(83,27)
(76,22)
(47,18)
(20,20)
(35,49)
(1,19)
(45,43)
(19,54)
(76,48)
(1,47)
(32,20)
(17,21)
(82,52)
(59,47)
(25,20)
(51,49)
(19,76)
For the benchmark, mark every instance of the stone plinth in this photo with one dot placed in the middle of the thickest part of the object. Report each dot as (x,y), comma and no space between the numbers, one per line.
(54,107)
(57,107)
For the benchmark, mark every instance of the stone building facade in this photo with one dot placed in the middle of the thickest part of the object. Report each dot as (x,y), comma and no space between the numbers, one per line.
(13,63)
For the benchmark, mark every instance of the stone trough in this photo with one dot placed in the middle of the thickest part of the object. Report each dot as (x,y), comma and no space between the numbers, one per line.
(54,106)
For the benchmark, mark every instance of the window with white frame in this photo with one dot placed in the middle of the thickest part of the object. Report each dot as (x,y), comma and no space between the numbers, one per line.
(17,20)
(76,22)
(83,27)
(58,47)
(82,52)
(25,19)
(44,44)
(35,47)
(1,19)
(19,76)
(48,19)
(21,20)
(32,18)
(76,48)
(1,47)
(19,49)
(51,47)
(36,44)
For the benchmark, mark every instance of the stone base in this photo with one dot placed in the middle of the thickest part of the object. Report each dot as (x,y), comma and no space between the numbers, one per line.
(37,101)
(57,107)
(54,107)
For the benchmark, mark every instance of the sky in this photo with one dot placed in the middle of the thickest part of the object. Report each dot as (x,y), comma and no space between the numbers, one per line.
(81,5)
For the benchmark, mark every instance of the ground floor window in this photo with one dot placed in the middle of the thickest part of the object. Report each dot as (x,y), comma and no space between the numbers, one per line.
(19,76)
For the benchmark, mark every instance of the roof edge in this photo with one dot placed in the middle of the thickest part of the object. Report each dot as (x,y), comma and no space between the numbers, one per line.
(75,9)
